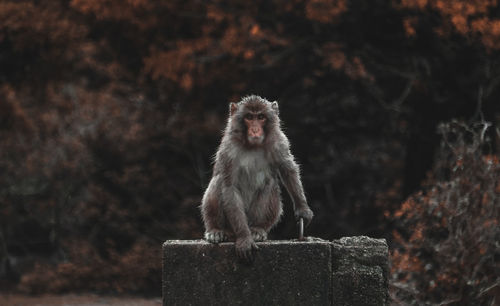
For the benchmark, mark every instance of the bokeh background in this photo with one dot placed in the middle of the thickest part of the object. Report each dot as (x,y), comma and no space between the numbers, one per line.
(111,111)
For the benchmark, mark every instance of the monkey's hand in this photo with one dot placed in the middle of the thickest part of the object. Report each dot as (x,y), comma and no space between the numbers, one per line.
(306,213)
(245,248)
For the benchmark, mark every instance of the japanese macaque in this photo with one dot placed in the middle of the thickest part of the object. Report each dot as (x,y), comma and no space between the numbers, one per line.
(243,201)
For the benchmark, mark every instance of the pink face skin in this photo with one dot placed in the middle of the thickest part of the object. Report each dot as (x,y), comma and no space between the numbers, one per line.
(255,127)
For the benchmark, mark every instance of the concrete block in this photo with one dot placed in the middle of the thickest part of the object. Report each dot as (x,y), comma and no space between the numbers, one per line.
(359,271)
(283,273)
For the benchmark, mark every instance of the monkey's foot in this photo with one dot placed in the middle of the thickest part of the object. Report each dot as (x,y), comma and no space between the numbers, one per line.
(215,236)
(259,234)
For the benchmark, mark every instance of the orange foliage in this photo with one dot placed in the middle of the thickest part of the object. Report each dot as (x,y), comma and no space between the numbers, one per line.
(123,273)
(406,262)
(409,26)
(420,4)
(33,25)
(178,63)
(469,18)
(12,112)
(325,11)
(335,58)
(130,10)
(451,227)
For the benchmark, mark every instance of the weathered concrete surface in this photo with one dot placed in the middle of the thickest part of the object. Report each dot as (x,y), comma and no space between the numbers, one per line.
(350,271)
(359,271)
(283,273)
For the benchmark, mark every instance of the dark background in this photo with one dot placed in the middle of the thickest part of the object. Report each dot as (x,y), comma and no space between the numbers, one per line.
(110,113)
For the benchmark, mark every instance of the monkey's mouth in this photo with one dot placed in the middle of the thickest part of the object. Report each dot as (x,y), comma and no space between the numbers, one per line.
(255,140)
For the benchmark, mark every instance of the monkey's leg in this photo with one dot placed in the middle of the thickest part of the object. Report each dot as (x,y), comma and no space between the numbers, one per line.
(266,213)
(213,215)
(235,213)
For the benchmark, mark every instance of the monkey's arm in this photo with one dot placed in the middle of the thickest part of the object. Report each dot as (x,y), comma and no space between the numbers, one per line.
(290,177)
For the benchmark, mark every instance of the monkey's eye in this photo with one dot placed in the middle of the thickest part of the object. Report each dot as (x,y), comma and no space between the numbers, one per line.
(249,117)
(261,117)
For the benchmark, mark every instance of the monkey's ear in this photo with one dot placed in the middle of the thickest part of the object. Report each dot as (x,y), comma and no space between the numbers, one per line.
(232,108)
(274,106)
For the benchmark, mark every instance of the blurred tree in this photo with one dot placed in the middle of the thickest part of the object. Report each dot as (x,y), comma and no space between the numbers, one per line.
(447,241)
(111,110)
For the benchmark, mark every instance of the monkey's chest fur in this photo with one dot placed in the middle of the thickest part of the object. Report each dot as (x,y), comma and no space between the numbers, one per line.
(255,176)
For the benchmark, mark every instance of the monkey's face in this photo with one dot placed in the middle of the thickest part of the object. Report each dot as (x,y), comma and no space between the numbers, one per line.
(255,122)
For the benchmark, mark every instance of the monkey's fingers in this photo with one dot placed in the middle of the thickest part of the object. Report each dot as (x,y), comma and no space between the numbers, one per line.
(307,221)
(240,254)
(306,214)
(259,234)
(253,250)
(245,255)
(215,236)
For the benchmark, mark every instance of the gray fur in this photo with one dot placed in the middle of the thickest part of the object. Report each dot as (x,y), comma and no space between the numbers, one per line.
(243,197)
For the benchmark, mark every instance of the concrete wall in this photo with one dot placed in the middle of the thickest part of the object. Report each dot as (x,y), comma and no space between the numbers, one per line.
(349,271)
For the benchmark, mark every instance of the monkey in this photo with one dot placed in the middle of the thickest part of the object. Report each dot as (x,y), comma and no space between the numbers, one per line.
(243,198)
